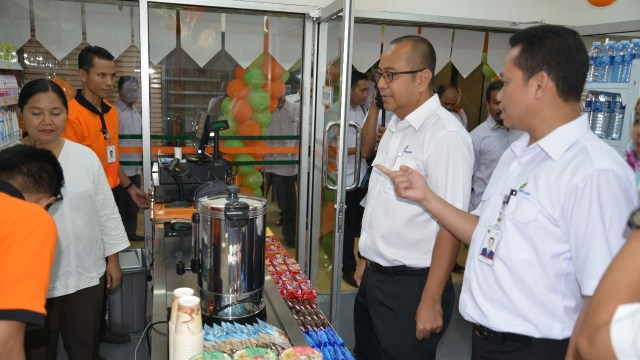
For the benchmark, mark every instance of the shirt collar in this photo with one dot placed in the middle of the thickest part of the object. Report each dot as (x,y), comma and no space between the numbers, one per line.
(557,141)
(122,106)
(89,106)
(493,124)
(10,190)
(418,116)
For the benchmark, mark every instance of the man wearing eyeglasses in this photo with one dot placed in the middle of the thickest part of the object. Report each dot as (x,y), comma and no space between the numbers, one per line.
(406,298)
(27,241)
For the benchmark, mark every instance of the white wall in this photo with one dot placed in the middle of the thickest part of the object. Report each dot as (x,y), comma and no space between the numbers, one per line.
(562,12)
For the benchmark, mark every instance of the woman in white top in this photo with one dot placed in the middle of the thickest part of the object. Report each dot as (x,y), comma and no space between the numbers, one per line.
(89,230)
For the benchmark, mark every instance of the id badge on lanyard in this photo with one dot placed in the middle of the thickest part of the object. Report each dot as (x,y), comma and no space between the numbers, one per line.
(493,236)
(111,154)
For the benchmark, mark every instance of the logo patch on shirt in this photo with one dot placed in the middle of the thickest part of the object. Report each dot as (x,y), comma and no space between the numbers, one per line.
(522,188)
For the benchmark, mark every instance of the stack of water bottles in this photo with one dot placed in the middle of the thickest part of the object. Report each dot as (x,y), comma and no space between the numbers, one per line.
(605,111)
(612,62)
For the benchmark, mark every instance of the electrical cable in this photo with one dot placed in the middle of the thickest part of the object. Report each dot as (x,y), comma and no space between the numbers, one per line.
(144,333)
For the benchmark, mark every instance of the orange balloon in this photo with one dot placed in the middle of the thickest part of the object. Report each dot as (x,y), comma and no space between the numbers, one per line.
(275,88)
(245,190)
(272,68)
(245,93)
(239,72)
(601,3)
(235,87)
(66,87)
(273,105)
(255,143)
(241,111)
(249,128)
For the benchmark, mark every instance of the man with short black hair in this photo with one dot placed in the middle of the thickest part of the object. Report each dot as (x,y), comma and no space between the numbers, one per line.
(406,297)
(555,206)
(27,239)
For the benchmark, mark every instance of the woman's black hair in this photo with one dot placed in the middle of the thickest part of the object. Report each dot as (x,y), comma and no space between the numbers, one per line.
(37,86)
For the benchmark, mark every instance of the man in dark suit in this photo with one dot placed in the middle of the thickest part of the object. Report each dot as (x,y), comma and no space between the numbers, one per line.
(488,251)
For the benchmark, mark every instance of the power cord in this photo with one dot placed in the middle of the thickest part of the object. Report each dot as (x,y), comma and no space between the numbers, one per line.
(145,334)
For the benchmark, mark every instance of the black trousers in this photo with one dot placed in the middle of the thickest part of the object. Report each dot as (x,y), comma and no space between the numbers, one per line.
(352,227)
(127,208)
(384,317)
(77,317)
(485,347)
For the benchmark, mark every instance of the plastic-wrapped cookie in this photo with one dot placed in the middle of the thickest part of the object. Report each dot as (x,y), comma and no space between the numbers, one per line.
(212,356)
(255,353)
(300,353)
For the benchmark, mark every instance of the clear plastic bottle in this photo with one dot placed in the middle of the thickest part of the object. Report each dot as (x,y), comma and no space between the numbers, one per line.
(594,53)
(620,56)
(604,63)
(588,105)
(601,110)
(616,118)
(634,53)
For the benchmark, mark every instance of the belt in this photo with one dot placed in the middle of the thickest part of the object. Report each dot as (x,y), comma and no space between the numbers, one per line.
(399,270)
(503,337)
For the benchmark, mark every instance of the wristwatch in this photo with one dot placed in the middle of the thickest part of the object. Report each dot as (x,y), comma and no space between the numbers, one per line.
(634,219)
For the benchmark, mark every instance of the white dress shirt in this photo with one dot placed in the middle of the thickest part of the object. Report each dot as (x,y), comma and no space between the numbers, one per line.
(625,332)
(560,232)
(490,140)
(88,221)
(284,121)
(431,141)
(129,123)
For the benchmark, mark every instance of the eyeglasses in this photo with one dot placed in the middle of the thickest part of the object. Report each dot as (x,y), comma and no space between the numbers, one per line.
(50,204)
(387,76)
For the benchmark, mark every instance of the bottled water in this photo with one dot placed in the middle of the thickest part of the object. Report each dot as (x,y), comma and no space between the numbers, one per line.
(601,109)
(634,53)
(605,60)
(594,54)
(616,118)
(588,106)
(621,55)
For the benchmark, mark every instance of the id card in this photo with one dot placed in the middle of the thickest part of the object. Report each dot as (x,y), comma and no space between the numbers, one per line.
(111,154)
(490,244)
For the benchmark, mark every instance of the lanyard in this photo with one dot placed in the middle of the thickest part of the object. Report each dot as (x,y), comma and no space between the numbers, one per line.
(505,202)
(89,106)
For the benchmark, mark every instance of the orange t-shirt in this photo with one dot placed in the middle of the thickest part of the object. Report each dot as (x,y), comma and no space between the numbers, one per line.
(84,127)
(27,248)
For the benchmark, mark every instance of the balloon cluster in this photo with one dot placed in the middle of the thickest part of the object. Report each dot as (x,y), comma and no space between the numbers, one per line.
(251,98)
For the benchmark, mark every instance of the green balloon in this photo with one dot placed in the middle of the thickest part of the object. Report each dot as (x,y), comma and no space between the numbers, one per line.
(257,191)
(326,242)
(285,77)
(252,180)
(329,195)
(259,100)
(253,77)
(264,131)
(245,169)
(226,106)
(233,127)
(263,118)
(233,143)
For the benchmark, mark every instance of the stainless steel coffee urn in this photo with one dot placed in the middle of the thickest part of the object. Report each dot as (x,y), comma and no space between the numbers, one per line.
(229,254)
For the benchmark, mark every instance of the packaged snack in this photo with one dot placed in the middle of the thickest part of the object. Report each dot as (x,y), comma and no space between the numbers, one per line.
(212,356)
(300,353)
(255,353)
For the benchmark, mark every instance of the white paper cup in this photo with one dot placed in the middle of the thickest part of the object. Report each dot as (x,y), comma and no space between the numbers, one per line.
(189,318)
(177,294)
(186,347)
(177,152)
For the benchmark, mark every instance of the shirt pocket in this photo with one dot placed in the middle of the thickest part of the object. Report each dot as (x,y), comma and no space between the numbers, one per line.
(523,208)
(400,160)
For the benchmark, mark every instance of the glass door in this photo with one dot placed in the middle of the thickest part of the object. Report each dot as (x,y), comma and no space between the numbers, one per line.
(330,128)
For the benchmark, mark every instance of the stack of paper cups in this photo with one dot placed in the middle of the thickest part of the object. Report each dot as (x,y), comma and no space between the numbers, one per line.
(177,293)
(189,335)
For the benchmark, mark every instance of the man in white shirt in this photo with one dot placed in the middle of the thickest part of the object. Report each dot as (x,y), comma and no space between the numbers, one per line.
(353,214)
(556,206)
(129,123)
(405,299)
(285,120)
(490,140)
